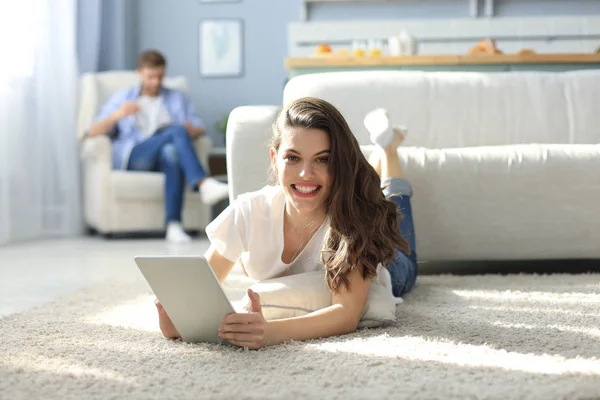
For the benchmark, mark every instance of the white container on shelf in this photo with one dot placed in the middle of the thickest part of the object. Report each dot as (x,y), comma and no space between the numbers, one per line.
(408,43)
(402,45)
(394,46)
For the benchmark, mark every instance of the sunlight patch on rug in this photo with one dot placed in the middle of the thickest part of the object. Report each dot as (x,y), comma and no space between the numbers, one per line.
(418,348)
(537,310)
(61,365)
(545,297)
(139,313)
(573,329)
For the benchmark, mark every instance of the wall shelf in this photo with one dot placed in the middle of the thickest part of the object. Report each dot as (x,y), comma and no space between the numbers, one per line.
(349,61)
(450,63)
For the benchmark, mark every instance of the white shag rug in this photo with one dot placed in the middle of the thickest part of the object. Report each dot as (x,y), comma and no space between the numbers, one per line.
(459,337)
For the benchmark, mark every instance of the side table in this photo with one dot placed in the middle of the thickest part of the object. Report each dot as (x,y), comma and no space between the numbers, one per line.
(217,163)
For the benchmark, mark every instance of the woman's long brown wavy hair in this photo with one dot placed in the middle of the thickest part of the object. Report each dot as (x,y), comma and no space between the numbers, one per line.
(363,223)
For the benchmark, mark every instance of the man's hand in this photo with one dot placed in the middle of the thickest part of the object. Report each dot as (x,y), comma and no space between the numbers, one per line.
(106,125)
(127,108)
(189,127)
(192,130)
(246,329)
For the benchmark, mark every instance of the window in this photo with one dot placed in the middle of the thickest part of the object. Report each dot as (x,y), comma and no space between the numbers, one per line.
(19,32)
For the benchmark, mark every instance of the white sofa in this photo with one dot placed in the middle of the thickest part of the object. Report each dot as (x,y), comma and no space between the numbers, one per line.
(503,165)
(123,201)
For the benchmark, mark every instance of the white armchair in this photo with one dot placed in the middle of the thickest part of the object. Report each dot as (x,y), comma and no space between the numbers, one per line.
(123,201)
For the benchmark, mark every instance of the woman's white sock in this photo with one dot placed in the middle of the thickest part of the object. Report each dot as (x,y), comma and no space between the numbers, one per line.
(378,124)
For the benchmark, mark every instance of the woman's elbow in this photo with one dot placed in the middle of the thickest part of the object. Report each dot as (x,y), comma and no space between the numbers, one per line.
(351,322)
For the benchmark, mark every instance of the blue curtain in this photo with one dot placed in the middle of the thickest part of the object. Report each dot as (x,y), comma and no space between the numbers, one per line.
(89,20)
(107,34)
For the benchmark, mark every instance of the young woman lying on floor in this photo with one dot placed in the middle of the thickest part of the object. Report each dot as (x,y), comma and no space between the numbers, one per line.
(327,212)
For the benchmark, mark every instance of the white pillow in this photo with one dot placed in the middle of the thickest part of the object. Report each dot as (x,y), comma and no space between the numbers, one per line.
(300,294)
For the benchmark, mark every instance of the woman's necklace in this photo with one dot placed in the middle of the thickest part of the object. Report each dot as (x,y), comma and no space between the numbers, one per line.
(305,234)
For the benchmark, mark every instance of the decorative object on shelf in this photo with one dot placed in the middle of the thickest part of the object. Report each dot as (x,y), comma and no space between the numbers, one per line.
(323,49)
(402,45)
(375,48)
(359,48)
(486,46)
(526,52)
(409,44)
(394,46)
(221,49)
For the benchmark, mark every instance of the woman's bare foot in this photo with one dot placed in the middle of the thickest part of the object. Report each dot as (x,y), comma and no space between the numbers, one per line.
(390,161)
(397,140)
(166,325)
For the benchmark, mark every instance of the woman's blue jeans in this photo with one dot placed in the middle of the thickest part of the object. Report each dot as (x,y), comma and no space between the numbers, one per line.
(403,267)
(172,152)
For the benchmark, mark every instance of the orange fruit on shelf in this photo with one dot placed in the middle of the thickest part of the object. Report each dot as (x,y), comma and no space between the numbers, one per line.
(526,52)
(323,49)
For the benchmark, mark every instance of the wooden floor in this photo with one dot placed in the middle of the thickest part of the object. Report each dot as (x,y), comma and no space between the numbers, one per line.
(36,272)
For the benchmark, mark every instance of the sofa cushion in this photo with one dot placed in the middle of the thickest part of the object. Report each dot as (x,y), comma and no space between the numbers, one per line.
(137,184)
(504,202)
(582,96)
(463,109)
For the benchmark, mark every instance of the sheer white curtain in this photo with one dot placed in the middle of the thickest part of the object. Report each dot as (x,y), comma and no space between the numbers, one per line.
(39,172)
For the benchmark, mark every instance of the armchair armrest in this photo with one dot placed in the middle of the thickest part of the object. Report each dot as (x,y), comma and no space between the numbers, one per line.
(96,159)
(96,149)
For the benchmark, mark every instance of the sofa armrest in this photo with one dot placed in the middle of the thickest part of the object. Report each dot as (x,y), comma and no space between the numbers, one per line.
(203,145)
(248,135)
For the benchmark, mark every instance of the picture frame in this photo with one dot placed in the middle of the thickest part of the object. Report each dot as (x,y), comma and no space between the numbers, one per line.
(221,48)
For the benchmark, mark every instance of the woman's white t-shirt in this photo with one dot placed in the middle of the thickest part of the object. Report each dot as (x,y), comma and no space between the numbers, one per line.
(251,230)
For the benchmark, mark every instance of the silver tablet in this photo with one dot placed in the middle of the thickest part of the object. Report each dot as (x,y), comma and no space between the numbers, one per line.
(190,293)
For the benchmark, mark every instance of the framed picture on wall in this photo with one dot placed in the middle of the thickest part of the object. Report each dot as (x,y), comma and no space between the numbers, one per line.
(221,51)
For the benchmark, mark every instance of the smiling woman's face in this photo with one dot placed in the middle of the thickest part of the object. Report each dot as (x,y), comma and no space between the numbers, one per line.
(301,166)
